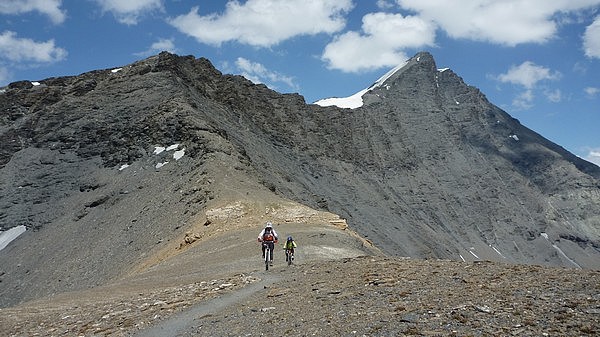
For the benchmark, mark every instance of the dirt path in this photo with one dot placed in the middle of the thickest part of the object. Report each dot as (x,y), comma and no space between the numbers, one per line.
(183,323)
(316,242)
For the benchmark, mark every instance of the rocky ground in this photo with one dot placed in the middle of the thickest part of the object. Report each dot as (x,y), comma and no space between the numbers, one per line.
(347,296)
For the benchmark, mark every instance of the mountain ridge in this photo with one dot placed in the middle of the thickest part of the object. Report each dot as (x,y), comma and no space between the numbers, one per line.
(426,168)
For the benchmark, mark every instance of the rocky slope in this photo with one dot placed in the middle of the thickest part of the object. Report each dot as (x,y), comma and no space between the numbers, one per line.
(360,296)
(113,171)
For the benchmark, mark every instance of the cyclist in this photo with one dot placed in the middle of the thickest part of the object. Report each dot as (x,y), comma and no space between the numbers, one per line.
(269,237)
(289,246)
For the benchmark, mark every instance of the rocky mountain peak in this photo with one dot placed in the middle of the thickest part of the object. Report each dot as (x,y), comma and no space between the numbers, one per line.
(113,167)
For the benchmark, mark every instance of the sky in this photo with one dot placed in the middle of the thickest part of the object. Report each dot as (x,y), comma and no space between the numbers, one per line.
(538,60)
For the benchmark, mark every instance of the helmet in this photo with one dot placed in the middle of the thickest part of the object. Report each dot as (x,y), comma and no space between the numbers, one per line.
(290,238)
(269,225)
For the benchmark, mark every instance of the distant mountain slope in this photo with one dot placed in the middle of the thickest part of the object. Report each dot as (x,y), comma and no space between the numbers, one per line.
(111,167)
(428,167)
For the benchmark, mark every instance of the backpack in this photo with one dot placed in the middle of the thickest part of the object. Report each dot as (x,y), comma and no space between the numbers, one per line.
(268,235)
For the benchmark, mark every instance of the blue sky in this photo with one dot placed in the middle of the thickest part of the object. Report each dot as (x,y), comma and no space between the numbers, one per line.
(538,60)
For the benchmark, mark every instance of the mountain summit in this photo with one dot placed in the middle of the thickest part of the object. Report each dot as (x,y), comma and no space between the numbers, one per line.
(114,170)
(456,176)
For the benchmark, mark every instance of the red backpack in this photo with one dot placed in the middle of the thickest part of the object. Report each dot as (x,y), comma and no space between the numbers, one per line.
(268,235)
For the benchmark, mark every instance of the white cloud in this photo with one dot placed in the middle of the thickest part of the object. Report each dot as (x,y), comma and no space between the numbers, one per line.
(264,23)
(163,45)
(258,73)
(507,22)
(51,8)
(591,92)
(524,100)
(19,50)
(385,4)
(591,39)
(159,46)
(553,96)
(129,11)
(528,74)
(593,156)
(381,43)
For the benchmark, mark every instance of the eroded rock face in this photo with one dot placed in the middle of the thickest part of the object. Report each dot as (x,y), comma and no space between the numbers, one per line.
(426,168)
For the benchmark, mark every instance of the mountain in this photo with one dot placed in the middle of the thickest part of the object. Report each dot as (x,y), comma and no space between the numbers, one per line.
(115,171)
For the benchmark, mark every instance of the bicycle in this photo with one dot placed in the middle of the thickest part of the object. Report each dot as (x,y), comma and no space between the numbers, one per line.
(289,256)
(268,253)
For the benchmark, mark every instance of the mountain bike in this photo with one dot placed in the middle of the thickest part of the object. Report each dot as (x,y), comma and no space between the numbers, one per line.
(289,256)
(268,253)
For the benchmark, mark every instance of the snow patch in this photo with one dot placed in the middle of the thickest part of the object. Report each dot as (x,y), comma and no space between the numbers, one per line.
(443,69)
(124,166)
(35,83)
(116,70)
(172,147)
(515,137)
(545,236)
(565,256)
(470,251)
(350,102)
(178,154)
(497,251)
(355,101)
(11,234)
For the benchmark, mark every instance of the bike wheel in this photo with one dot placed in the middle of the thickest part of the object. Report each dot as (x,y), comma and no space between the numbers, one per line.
(267,254)
(290,256)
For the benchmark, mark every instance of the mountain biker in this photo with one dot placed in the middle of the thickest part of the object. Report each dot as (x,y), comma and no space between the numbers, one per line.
(269,237)
(289,246)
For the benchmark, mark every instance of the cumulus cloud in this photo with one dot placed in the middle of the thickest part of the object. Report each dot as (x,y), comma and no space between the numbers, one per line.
(258,73)
(128,12)
(159,46)
(528,74)
(264,23)
(507,22)
(381,42)
(591,92)
(163,45)
(16,49)
(591,39)
(51,8)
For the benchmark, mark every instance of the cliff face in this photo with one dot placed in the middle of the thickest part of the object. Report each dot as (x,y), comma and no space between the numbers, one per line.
(427,168)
